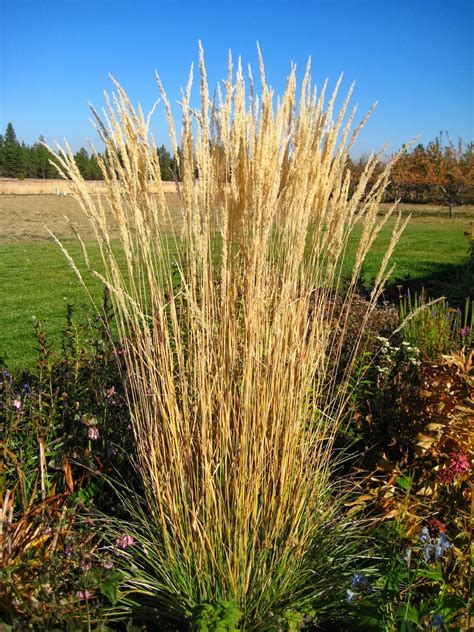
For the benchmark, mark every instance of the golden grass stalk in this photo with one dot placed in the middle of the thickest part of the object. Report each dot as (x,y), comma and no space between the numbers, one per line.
(232,358)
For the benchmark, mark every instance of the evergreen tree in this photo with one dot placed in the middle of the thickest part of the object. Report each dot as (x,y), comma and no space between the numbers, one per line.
(13,162)
(2,144)
(31,162)
(10,136)
(44,167)
(167,164)
(23,159)
(82,161)
(94,170)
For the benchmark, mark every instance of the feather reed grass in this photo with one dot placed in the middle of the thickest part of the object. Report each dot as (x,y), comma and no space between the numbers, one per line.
(231,370)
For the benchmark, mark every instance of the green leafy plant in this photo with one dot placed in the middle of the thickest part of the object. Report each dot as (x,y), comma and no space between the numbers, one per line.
(410,588)
(419,480)
(436,328)
(223,617)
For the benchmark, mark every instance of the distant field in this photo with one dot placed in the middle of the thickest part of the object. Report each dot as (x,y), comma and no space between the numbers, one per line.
(24,218)
(37,186)
(35,279)
(465,213)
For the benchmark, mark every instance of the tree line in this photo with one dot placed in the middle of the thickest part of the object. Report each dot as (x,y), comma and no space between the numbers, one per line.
(19,160)
(439,173)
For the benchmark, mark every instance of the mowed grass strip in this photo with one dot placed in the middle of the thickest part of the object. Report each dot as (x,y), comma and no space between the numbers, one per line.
(36,280)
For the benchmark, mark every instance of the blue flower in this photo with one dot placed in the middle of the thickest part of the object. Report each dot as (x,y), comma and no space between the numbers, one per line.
(442,546)
(360,581)
(430,547)
(427,552)
(437,622)
(424,537)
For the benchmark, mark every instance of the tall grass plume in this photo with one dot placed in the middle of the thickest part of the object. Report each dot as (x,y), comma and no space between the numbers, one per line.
(231,339)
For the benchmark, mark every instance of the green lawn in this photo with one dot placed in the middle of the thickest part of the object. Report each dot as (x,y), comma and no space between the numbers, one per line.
(427,247)
(36,281)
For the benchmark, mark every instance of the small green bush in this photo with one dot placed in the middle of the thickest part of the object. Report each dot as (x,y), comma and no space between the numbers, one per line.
(435,327)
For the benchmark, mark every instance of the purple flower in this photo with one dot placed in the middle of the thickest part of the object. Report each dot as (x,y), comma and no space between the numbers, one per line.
(93,433)
(83,594)
(124,541)
(108,563)
(17,404)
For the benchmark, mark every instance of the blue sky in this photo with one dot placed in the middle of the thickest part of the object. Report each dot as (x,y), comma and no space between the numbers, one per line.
(415,57)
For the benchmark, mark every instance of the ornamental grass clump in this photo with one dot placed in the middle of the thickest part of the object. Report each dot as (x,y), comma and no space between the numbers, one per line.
(226,320)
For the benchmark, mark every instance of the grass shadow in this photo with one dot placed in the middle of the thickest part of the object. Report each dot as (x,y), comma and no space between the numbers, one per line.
(453,281)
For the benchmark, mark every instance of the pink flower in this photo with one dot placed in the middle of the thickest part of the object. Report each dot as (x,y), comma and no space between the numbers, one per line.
(108,564)
(93,433)
(111,393)
(459,462)
(457,466)
(445,476)
(124,541)
(17,404)
(86,565)
(83,594)
(112,452)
